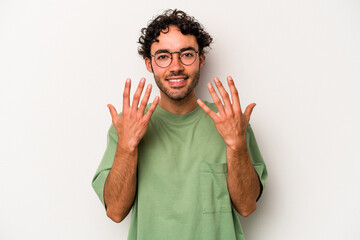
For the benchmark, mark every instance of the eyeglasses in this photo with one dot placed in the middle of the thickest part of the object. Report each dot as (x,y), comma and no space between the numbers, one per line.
(164,58)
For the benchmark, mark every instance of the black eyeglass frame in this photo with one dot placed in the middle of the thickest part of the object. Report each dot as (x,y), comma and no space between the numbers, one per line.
(179,52)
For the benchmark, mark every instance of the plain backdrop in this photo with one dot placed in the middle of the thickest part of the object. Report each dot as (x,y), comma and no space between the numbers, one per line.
(61,62)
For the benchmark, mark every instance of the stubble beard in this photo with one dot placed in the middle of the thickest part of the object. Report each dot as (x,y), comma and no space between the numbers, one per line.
(175,97)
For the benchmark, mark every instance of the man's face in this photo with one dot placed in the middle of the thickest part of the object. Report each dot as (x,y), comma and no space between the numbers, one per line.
(177,81)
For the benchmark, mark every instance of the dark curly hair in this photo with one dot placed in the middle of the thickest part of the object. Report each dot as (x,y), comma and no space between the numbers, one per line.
(188,26)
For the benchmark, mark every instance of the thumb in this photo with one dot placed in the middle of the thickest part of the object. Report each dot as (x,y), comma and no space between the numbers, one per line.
(113,112)
(249,110)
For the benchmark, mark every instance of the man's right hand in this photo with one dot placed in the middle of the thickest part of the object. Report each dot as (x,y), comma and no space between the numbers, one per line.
(131,126)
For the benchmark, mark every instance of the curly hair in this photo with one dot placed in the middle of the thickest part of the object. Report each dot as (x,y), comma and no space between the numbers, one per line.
(188,26)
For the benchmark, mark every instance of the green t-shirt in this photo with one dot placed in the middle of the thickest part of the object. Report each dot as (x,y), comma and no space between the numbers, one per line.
(182,190)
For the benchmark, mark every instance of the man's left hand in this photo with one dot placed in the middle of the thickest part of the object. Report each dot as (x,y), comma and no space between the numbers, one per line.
(230,121)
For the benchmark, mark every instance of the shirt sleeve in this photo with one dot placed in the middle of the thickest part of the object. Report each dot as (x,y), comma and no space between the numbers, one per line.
(106,163)
(256,158)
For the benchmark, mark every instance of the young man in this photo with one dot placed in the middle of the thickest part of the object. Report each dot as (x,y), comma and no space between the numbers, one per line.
(183,165)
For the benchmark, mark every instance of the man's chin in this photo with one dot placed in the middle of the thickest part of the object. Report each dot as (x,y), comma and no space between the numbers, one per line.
(178,96)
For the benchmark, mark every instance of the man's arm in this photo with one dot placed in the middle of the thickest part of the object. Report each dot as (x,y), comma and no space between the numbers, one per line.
(243,182)
(131,126)
(120,185)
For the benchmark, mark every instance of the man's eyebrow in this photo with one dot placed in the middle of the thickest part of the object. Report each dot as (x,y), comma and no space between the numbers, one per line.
(187,48)
(167,51)
(161,51)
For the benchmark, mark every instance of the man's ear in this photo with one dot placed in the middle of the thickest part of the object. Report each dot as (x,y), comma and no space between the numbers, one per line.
(202,59)
(148,65)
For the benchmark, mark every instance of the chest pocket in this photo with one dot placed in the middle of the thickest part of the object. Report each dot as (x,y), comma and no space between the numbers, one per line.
(214,192)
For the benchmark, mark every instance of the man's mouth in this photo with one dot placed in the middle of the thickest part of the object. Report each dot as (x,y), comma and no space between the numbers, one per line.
(177,81)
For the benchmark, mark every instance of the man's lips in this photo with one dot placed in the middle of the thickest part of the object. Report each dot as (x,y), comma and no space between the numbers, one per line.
(177,80)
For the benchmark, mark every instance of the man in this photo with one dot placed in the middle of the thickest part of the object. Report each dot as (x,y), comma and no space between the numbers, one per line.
(183,165)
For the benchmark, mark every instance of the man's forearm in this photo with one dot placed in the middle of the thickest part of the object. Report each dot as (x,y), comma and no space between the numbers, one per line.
(120,185)
(242,180)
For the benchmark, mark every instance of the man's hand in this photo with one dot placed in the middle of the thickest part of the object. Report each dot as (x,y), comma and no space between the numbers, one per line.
(242,180)
(230,122)
(131,126)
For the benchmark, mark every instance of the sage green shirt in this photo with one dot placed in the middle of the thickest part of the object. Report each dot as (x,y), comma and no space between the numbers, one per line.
(182,190)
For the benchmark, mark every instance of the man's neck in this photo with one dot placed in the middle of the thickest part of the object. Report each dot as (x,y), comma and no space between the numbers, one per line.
(183,106)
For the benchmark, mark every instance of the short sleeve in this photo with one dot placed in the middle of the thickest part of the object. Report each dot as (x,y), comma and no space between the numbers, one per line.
(256,158)
(106,163)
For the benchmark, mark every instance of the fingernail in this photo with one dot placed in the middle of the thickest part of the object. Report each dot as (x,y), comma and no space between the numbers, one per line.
(128,80)
(210,85)
(149,86)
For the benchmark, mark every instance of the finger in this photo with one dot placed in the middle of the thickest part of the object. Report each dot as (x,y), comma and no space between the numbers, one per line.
(137,94)
(113,112)
(145,99)
(234,95)
(216,99)
(249,110)
(224,95)
(207,110)
(126,95)
(152,108)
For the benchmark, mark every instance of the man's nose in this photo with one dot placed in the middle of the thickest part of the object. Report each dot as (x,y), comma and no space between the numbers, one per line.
(176,64)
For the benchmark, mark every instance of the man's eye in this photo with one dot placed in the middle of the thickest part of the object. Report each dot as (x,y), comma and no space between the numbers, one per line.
(162,57)
(187,55)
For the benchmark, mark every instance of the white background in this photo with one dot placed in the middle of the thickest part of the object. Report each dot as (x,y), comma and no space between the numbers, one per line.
(61,62)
